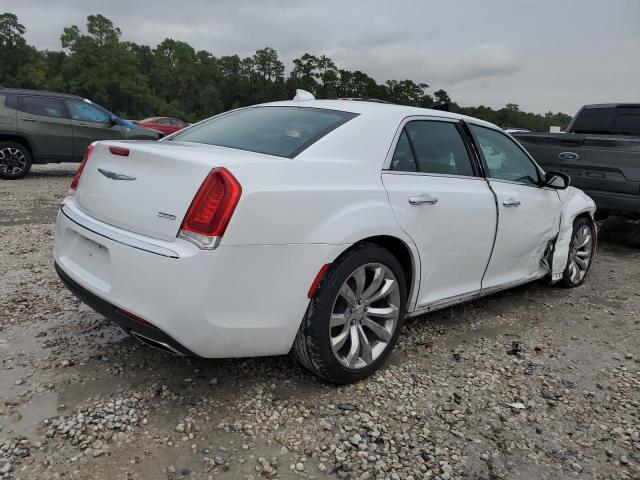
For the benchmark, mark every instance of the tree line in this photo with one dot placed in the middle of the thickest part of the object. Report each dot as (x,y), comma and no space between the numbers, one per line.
(174,79)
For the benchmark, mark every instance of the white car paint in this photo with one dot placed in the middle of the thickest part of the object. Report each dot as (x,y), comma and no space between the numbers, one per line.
(524,231)
(440,233)
(248,296)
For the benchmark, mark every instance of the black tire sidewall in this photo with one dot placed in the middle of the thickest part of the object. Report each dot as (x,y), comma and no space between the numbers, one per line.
(27,156)
(578,223)
(325,299)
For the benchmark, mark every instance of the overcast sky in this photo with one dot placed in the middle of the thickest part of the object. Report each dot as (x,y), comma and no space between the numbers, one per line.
(543,54)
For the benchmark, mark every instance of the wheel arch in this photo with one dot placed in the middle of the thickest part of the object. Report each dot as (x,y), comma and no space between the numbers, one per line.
(408,259)
(575,204)
(22,141)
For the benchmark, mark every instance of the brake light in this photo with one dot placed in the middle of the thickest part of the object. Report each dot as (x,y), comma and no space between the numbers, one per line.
(211,209)
(123,152)
(76,177)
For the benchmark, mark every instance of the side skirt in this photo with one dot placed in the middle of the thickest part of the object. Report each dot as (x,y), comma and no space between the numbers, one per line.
(465,297)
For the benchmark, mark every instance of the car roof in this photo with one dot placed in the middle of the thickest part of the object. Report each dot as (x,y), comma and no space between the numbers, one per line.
(378,108)
(24,91)
(613,105)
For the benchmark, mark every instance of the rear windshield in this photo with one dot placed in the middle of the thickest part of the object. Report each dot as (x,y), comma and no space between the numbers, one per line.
(279,131)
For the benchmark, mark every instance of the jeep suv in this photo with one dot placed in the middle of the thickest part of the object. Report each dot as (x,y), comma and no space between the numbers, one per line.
(46,127)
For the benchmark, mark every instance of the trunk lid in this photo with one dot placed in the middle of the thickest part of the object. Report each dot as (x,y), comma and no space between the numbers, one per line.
(150,190)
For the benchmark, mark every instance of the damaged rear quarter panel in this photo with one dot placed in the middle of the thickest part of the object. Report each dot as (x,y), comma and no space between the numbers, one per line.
(573,203)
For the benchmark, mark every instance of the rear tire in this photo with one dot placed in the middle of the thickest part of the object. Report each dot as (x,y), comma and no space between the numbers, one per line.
(343,337)
(15,160)
(581,252)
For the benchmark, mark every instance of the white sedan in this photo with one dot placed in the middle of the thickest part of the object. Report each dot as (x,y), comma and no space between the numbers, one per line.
(312,225)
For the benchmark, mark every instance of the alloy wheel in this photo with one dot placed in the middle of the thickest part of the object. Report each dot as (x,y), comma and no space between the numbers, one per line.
(12,161)
(364,315)
(580,254)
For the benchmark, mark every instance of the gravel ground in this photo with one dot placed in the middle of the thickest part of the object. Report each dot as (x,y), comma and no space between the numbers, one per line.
(537,382)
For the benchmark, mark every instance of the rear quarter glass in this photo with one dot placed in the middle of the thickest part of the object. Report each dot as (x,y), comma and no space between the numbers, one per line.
(279,131)
(11,101)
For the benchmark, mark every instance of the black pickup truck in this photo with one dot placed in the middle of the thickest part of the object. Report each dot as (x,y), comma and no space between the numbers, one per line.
(601,153)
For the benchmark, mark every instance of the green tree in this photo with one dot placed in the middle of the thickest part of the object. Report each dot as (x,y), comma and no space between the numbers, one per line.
(104,69)
(21,65)
(174,79)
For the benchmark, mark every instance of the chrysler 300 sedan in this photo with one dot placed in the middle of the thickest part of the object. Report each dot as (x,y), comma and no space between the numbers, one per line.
(316,226)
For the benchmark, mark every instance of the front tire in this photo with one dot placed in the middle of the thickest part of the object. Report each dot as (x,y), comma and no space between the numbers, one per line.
(355,316)
(15,160)
(581,250)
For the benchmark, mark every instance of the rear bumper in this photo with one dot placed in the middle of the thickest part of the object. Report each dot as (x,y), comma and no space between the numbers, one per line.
(146,333)
(614,202)
(234,301)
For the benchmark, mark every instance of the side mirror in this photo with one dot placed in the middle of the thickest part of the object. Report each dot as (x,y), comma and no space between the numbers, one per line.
(113,120)
(557,180)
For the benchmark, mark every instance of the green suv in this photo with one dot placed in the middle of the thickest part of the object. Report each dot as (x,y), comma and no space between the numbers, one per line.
(46,127)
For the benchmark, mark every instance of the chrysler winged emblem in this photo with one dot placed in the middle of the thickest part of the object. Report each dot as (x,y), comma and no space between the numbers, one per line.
(115,175)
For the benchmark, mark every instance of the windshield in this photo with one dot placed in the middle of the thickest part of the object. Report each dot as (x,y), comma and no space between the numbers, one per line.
(279,131)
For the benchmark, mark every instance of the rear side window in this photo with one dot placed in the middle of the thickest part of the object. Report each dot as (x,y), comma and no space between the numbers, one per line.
(432,147)
(595,120)
(627,124)
(11,102)
(403,159)
(43,106)
(279,131)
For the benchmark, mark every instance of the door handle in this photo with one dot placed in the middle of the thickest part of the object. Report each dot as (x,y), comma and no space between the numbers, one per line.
(26,119)
(511,202)
(81,125)
(422,199)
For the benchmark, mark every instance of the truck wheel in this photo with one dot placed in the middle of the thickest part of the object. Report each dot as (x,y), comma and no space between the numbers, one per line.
(15,160)
(355,316)
(581,250)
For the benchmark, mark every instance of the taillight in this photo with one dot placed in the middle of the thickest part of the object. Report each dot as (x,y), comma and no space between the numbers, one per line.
(76,177)
(211,209)
(123,152)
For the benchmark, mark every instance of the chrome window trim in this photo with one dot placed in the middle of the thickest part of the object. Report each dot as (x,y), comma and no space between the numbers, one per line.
(427,174)
(531,185)
(116,236)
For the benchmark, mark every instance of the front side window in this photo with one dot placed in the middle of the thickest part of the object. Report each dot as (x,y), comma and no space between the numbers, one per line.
(43,106)
(432,147)
(86,112)
(279,131)
(504,158)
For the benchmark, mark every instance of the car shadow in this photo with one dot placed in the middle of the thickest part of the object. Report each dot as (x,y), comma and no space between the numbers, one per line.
(620,231)
(54,170)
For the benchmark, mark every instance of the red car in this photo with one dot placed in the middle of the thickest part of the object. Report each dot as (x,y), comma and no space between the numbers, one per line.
(166,125)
